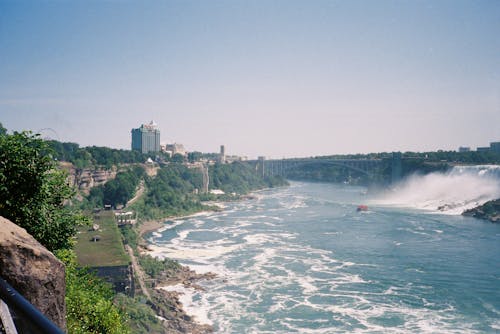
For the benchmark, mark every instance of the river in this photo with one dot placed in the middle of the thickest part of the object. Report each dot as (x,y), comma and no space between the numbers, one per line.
(301,259)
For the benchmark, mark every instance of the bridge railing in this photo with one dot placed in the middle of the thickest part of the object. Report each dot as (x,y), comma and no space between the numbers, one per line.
(19,316)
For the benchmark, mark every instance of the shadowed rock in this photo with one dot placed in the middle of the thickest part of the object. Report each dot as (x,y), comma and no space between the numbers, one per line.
(33,271)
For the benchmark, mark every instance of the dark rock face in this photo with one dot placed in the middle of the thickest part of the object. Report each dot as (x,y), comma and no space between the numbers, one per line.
(488,211)
(33,271)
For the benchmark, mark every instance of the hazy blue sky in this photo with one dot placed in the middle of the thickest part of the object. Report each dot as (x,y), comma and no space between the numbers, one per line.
(275,78)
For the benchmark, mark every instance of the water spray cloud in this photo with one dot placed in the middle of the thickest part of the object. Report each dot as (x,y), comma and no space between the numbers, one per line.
(453,192)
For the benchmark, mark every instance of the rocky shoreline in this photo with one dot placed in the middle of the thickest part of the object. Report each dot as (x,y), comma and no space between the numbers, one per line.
(166,304)
(168,307)
(488,211)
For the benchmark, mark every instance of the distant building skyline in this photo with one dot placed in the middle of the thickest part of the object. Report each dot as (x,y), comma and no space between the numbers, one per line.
(494,147)
(146,138)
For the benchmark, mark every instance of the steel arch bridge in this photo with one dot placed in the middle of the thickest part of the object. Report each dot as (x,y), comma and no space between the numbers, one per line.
(281,167)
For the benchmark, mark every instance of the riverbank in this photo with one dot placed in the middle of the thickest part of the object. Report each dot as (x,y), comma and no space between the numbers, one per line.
(171,291)
(165,291)
(149,226)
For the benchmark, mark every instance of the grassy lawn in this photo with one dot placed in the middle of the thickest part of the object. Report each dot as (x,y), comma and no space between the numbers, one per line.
(108,251)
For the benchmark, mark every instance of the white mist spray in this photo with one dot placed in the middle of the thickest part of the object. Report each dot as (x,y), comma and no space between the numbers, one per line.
(460,189)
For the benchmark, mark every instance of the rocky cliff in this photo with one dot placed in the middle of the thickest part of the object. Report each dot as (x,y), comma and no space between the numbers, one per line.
(33,271)
(85,179)
(488,211)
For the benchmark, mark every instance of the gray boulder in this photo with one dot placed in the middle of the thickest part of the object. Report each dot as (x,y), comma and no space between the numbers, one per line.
(33,271)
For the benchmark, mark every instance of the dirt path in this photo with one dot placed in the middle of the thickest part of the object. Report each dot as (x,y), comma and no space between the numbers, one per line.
(139,274)
(138,193)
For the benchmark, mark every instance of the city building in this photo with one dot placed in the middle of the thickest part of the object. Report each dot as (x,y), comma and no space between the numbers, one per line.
(464,149)
(483,149)
(146,138)
(222,155)
(173,149)
(495,147)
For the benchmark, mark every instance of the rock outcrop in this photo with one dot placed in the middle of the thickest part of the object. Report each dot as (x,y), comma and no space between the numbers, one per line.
(488,211)
(33,271)
(85,179)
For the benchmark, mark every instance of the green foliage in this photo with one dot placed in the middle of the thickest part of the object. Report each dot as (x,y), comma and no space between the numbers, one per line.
(3,130)
(94,156)
(411,162)
(142,318)
(117,191)
(197,156)
(34,193)
(178,158)
(471,157)
(95,198)
(194,156)
(122,188)
(327,173)
(171,192)
(239,178)
(130,236)
(89,302)
(154,267)
(108,251)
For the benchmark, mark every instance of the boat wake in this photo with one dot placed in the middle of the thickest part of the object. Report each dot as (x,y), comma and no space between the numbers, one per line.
(462,188)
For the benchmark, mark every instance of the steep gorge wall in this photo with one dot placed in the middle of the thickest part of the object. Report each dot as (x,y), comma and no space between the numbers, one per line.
(86,178)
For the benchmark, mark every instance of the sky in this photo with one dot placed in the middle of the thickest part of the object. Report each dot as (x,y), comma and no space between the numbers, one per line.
(262,77)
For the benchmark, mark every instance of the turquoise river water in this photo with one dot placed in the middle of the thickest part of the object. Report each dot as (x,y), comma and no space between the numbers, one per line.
(301,259)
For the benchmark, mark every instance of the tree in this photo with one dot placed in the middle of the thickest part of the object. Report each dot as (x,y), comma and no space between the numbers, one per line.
(194,156)
(34,193)
(3,130)
(178,158)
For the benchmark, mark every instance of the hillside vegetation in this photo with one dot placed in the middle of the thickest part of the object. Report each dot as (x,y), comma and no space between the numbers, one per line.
(34,194)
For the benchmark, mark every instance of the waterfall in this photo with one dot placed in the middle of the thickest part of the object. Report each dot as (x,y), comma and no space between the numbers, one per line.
(452,192)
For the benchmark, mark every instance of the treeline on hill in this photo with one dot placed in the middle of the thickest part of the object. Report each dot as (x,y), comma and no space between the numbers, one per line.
(176,189)
(240,178)
(84,157)
(471,157)
(170,192)
(411,162)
